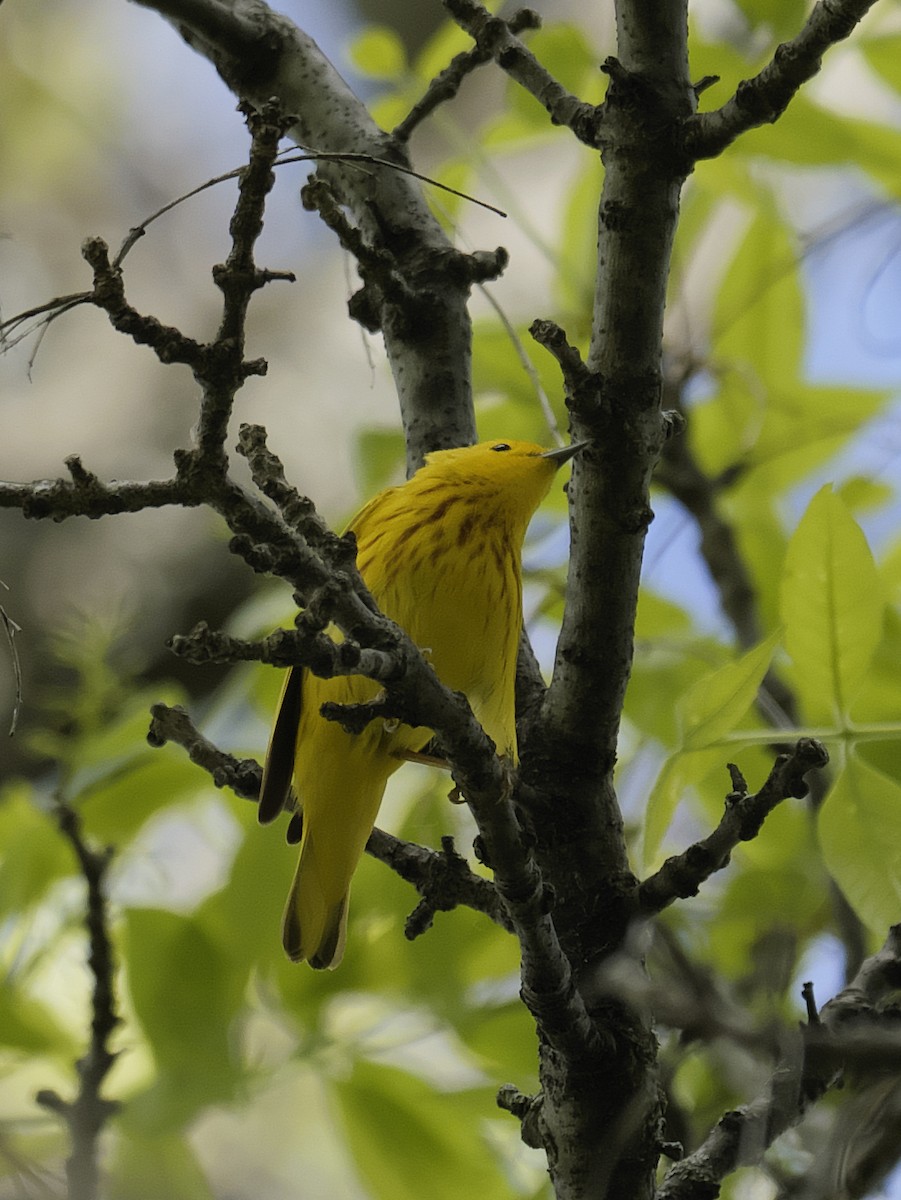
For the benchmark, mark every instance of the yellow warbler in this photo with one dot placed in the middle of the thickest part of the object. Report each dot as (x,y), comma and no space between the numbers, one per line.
(441,555)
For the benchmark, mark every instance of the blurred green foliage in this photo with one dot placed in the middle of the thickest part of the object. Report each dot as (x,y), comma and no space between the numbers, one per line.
(379,1080)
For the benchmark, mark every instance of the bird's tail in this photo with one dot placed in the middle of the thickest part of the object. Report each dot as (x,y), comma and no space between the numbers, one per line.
(314,927)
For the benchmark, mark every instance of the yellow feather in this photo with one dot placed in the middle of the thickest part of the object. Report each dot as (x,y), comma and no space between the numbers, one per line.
(441,555)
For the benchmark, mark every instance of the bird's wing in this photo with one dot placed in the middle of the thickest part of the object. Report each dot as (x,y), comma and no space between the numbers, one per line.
(278,770)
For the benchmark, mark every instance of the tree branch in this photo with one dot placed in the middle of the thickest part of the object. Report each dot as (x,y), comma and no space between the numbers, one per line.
(442,878)
(447,83)
(763,99)
(744,814)
(260,55)
(88,1113)
(811,1068)
(496,38)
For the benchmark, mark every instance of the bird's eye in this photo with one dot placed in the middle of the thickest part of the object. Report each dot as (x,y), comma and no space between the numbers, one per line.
(501,446)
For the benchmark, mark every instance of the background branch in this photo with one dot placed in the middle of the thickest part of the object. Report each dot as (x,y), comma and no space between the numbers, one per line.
(86,1115)
(261,55)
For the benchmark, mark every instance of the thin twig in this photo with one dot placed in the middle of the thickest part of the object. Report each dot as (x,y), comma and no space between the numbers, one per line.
(495,37)
(442,878)
(763,99)
(10,629)
(88,1113)
(447,82)
(810,1068)
(744,814)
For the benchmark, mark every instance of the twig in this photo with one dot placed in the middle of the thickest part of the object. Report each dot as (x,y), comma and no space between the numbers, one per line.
(582,385)
(442,879)
(494,37)
(447,83)
(172,724)
(10,629)
(810,1068)
(744,814)
(764,98)
(88,1113)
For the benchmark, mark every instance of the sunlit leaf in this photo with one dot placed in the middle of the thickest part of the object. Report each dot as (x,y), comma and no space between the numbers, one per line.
(29,1026)
(784,17)
(759,327)
(681,772)
(168,1161)
(185,992)
(716,703)
(408,1138)
(34,852)
(884,55)
(832,606)
(860,833)
(378,52)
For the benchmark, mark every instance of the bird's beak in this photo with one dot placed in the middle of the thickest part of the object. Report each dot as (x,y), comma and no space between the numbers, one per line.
(564,453)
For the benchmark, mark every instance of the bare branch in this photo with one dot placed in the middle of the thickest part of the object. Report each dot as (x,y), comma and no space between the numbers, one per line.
(10,629)
(763,99)
(442,879)
(497,39)
(88,1113)
(172,724)
(447,83)
(169,344)
(742,819)
(262,55)
(811,1068)
(87,496)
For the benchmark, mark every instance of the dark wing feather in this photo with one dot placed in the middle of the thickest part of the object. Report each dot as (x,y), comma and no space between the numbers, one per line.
(278,770)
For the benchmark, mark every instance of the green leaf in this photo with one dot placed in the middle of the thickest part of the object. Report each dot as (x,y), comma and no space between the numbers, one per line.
(679,773)
(498,368)
(576,250)
(877,699)
(116,809)
(186,993)
(379,52)
(761,541)
(860,833)
(863,495)
(759,324)
(884,55)
(34,852)
(409,1140)
(809,134)
(378,459)
(832,607)
(28,1025)
(389,110)
(245,915)
(666,667)
(659,617)
(799,415)
(784,17)
(724,429)
(169,1162)
(715,704)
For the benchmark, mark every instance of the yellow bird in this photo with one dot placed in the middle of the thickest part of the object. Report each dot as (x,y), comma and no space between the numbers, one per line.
(441,555)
